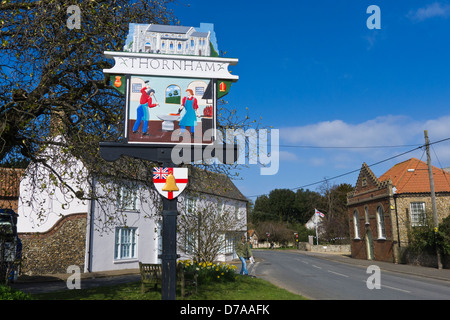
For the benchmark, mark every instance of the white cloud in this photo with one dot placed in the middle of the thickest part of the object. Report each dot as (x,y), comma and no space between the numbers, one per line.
(332,138)
(432,10)
(337,133)
(287,156)
(438,128)
(317,162)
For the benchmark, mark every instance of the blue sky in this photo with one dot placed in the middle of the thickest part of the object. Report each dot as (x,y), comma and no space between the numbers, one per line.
(313,70)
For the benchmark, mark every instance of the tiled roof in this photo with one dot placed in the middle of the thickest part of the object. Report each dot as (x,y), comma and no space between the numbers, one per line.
(10,182)
(411,176)
(213,183)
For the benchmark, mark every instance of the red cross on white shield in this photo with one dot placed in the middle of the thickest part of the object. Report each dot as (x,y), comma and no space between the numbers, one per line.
(161,176)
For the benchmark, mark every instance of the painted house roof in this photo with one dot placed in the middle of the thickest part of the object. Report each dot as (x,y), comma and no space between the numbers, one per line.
(200,34)
(168,28)
(411,176)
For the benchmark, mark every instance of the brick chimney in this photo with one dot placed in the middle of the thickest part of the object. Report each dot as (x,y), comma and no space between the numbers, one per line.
(56,123)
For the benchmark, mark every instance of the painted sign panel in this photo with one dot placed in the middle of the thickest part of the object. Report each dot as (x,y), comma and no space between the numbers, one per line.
(164,110)
(172,77)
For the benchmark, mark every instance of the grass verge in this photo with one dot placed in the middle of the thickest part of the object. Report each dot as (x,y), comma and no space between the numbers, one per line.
(243,288)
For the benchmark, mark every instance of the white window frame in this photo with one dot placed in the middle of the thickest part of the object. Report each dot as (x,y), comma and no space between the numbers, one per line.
(127,199)
(190,204)
(380,223)
(356,224)
(229,240)
(220,207)
(237,211)
(125,244)
(190,242)
(366,215)
(418,215)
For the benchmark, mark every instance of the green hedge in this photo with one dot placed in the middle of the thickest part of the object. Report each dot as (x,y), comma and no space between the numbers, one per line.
(7,293)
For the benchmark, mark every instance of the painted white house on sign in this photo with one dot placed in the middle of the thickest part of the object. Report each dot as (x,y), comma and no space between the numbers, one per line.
(167,39)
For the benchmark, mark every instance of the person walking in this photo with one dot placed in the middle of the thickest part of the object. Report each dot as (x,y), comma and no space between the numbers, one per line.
(244,252)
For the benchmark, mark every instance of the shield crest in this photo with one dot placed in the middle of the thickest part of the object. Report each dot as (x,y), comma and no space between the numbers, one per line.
(170,182)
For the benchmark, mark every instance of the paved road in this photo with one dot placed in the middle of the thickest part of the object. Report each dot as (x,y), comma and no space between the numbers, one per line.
(317,278)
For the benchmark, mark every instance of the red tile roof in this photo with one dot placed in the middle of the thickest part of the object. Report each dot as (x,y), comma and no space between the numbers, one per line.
(9,182)
(411,176)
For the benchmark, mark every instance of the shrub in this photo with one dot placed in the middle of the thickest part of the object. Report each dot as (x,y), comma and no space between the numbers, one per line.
(425,239)
(7,293)
(444,236)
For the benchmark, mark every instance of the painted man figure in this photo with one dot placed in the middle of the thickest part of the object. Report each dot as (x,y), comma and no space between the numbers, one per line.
(143,114)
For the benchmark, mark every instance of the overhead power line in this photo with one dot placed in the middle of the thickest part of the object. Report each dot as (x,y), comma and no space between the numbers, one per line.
(357,170)
(348,147)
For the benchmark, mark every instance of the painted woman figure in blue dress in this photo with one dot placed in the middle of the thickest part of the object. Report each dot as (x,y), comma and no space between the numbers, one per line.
(190,117)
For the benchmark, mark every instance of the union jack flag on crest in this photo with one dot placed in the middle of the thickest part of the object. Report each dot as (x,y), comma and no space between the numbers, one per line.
(160,173)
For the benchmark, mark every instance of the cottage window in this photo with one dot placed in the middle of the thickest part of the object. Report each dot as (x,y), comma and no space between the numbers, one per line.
(237,212)
(229,243)
(159,237)
(127,198)
(366,214)
(125,243)
(356,224)
(380,222)
(220,207)
(189,245)
(189,206)
(418,217)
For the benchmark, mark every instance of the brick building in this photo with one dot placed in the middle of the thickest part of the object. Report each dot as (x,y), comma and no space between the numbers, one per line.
(382,211)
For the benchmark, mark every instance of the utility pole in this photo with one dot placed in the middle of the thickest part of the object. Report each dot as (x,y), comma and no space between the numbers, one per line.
(433,196)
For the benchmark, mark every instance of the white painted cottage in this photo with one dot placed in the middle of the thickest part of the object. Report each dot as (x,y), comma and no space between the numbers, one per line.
(60,225)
